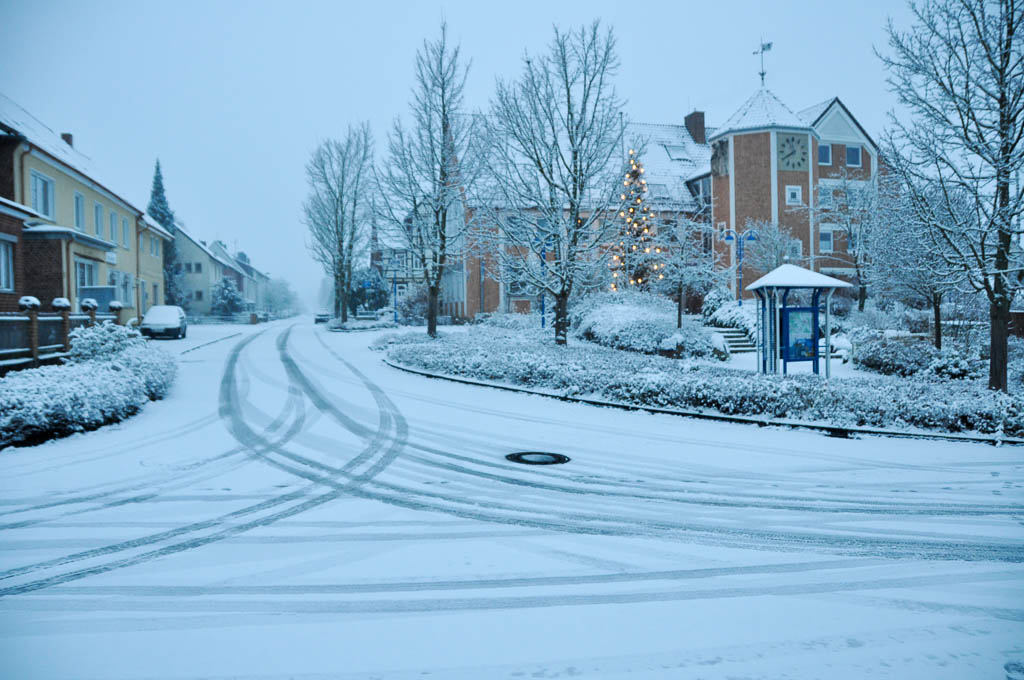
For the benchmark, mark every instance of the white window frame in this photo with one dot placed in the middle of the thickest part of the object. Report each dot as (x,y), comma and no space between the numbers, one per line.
(796,249)
(97,217)
(113,226)
(156,246)
(829,229)
(79,211)
(860,156)
(87,265)
(6,266)
(36,178)
(825,146)
(124,233)
(799,199)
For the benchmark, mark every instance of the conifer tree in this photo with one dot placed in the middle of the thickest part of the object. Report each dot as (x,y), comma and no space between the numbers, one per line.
(160,210)
(635,260)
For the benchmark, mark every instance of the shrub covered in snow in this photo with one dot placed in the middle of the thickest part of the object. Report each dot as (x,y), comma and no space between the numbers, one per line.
(110,375)
(639,322)
(534,361)
(102,341)
(954,366)
(732,315)
(715,299)
(890,356)
(361,324)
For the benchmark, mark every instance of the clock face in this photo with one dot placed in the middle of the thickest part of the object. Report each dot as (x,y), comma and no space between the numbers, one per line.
(792,152)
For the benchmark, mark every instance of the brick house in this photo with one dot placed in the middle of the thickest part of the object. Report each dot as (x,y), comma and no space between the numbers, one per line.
(83,237)
(769,162)
(762,163)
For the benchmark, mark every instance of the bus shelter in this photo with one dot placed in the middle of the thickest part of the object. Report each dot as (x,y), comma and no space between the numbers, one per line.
(791,334)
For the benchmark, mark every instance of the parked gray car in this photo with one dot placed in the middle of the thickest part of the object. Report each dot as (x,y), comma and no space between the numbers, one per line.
(164,320)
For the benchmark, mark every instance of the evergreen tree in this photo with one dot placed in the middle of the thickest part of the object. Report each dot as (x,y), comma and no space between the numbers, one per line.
(226,298)
(635,261)
(160,210)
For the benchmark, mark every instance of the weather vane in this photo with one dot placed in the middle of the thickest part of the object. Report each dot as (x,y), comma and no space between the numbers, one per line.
(765,46)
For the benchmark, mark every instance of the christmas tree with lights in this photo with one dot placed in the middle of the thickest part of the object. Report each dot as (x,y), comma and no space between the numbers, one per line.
(635,260)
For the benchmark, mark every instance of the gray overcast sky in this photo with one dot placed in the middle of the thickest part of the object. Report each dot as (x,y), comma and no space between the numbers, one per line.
(233,96)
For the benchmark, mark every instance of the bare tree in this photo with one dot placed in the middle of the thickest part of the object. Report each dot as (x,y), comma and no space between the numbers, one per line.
(547,215)
(429,167)
(773,246)
(901,258)
(689,264)
(960,72)
(338,174)
(854,208)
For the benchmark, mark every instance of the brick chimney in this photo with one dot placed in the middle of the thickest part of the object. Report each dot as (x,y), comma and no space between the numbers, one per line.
(695,124)
(68,139)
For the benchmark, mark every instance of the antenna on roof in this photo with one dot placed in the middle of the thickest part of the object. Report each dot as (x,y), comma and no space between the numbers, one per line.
(765,47)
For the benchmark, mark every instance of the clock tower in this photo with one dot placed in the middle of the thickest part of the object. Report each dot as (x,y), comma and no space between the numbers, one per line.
(762,170)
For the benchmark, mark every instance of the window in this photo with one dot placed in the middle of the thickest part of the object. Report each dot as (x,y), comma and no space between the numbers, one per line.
(152,245)
(199,295)
(156,296)
(794,195)
(124,232)
(97,218)
(796,249)
(156,247)
(85,275)
(199,268)
(113,226)
(825,240)
(124,288)
(79,211)
(140,243)
(853,156)
(6,266)
(824,154)
(188,267)
(42,194)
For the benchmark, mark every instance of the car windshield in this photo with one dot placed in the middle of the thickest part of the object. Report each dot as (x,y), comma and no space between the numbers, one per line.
(163,314)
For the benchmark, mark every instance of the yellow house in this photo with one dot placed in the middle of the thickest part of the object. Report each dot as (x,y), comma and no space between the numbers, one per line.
(89,240)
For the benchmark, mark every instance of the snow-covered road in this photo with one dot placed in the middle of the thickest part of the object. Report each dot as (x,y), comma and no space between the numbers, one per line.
(297,509)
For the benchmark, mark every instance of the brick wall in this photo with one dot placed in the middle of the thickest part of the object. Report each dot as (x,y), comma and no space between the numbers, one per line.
(752,167)
(8,147)
(43,270)
(9,301)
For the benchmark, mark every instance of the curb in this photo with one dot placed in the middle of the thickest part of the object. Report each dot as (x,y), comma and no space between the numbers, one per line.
(839,431)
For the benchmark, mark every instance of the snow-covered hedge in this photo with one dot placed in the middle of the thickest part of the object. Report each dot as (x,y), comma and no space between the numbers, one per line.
(715,299)
(111,373)
(890,356)
(361,324)
(532,360)
(731,315)
(640,322)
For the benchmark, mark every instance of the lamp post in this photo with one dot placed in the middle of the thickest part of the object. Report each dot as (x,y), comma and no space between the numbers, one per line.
(741,237)
(393,265)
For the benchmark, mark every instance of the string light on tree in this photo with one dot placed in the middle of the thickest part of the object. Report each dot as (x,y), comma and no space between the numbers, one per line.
(636,257)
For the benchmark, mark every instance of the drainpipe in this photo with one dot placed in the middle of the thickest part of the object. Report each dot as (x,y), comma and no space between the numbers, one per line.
(19,174)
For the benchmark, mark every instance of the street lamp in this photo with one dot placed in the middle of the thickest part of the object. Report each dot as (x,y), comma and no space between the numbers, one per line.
(741,237)
(393,265)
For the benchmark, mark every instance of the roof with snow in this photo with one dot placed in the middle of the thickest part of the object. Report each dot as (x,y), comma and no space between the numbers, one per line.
(670,158)
(16,120)
(791,276)
(811,114)
(762,110)
(206,249)
(18,207)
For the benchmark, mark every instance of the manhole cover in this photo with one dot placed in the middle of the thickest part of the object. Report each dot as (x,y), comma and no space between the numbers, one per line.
(537,458)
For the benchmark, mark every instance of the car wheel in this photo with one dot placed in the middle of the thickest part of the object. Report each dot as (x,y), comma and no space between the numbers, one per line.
(184,332)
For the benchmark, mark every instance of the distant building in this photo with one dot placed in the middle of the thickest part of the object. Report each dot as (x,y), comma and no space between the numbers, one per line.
(763,163)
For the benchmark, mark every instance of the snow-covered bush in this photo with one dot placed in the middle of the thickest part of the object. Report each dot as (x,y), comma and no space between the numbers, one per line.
(102,341)
(639,322)
(732,315)
(412,309)
(110,375)
(954,366)
(715,299)
(534,361)
(361,324)
(893,357)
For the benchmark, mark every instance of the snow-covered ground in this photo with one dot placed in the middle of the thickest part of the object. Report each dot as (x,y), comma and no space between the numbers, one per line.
(296,509)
